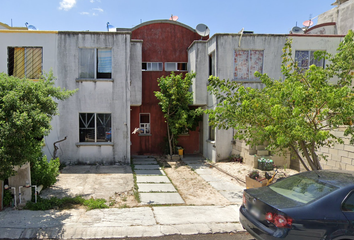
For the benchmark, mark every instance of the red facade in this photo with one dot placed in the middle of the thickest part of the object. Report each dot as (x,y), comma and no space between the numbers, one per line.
(163,41)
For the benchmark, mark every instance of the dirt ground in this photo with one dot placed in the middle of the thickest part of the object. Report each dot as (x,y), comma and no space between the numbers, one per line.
(196,191)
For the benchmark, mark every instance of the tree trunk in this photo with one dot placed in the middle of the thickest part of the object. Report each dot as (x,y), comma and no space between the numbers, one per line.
(169,140)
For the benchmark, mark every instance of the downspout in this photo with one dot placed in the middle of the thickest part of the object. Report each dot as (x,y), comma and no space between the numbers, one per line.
(56,148)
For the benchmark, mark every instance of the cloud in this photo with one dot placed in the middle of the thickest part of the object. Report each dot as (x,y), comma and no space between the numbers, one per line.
(92,1)
(85,13)
(67,4)
(98,9)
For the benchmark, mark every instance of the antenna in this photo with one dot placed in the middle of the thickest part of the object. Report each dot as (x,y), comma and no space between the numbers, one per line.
(202,30)
(30,27)
(110,28)
(173,18)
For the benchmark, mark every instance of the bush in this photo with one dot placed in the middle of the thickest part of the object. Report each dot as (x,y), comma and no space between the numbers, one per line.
(54,203)
(44,172)
(7,198)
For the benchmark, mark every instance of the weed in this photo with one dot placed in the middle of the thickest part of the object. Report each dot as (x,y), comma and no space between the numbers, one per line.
(124,199)
(124,206)
(95,203)
(112,201)
(54,203)
(136,188)
(65,203)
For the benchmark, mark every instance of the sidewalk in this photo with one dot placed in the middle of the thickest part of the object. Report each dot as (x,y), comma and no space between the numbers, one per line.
(118,223)
(150,221)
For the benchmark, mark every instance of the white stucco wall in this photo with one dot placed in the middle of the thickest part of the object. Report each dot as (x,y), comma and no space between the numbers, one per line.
(100,96)
(48,40)
(198,63)
(136,73)
(342,15)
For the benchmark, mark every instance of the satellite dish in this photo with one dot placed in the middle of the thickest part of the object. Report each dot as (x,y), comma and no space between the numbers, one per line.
(30,27)
(110,28)
(307,23)
(297,30)
(202,30)
(173,18)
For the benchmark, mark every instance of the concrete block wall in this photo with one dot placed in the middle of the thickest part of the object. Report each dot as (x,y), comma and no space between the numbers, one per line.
(340,156)
(252,154)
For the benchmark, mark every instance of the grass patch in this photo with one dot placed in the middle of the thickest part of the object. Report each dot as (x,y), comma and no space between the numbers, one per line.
(136,188)
(65,203)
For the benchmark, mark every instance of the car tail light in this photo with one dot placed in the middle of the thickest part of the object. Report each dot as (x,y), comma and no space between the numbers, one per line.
(278,220)
(244,199)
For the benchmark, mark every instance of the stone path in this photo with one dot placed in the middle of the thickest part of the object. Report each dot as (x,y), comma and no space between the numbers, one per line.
(154,186)
(219,181)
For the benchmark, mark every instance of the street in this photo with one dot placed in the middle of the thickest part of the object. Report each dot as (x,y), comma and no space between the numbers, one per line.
(222,236)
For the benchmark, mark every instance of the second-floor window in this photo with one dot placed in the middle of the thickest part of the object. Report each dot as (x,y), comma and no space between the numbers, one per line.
(95,63)
(246,63)
(152,66)
(25,62)
(306,58)
(175,66)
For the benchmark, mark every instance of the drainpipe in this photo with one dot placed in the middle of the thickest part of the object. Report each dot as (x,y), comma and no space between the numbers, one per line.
(56,148)
(20,193)
(35,193)
(13,188)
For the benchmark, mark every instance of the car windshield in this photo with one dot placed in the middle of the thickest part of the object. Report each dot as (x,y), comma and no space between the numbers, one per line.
(302,189)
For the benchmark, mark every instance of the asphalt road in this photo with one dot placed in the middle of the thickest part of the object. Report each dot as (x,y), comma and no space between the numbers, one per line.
(224,236)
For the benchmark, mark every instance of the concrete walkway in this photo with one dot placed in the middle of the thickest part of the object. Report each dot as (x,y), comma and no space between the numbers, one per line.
(221,182)
(118,223)
(154,186)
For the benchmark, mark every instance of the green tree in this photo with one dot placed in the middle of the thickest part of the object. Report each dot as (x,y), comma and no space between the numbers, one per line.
(26,111)
(174,99)
(297,113)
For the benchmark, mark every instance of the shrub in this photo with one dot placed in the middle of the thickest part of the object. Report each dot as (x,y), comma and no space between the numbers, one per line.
(44,172)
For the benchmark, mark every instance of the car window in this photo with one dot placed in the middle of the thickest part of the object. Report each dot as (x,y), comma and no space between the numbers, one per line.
(348,204)
(302,189)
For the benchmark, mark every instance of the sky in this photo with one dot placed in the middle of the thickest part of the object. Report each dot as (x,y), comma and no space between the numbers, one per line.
(222,16)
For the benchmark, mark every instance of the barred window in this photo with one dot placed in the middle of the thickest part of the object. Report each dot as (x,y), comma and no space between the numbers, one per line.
(25,62)
(144,123)
(95,127)
(247,62)
(306,58)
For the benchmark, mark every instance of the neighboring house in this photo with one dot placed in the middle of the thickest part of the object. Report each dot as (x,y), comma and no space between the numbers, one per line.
(26,54)
(237,57)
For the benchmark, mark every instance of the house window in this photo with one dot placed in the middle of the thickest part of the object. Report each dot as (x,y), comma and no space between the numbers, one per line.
(174,66)
(95,63)
(95,127)
(144,123)
(306,58)
(212,64)
(152,66)
(211,133)
(247,62)
(25,62)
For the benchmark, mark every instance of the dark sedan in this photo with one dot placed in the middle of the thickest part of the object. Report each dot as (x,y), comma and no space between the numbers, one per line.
(308,205)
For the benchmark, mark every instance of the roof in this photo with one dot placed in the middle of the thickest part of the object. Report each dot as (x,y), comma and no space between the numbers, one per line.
(12,28)
(157,21)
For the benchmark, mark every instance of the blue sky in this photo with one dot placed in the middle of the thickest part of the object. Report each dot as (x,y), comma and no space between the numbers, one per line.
(260,16)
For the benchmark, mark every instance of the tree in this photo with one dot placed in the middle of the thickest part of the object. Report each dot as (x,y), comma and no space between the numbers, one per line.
(297,113)
(26,111)
(174,99)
